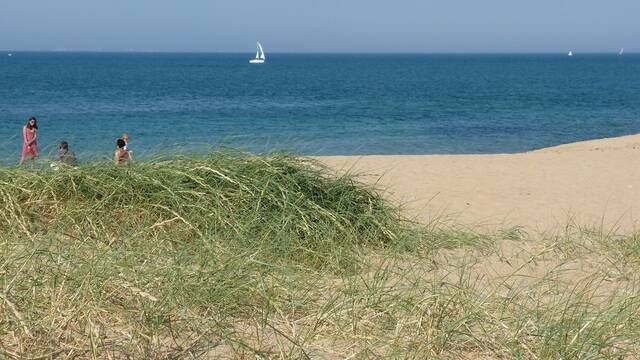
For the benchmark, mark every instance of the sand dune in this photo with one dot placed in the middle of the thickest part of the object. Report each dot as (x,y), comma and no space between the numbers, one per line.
(592,183)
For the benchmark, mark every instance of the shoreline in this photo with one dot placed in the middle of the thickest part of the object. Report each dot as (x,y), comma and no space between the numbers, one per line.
(590,183)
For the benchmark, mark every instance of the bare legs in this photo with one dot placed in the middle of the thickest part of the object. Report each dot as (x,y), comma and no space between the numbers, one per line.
(33,162)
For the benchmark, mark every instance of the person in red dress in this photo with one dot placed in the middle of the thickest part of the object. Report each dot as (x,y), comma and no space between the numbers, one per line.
(30,137)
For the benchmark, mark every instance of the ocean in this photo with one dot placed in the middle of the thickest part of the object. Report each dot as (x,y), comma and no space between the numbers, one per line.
(315,104)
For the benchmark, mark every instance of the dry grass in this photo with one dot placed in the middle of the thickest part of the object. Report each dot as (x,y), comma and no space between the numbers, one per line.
(238,256)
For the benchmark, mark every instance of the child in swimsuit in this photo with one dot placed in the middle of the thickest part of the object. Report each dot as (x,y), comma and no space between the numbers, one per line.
(122,155)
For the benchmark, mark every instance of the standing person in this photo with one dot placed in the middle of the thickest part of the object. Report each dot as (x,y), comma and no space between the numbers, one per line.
(125,137)
(122,155)
(30,137)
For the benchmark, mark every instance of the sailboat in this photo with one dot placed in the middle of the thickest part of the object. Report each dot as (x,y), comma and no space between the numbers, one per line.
(621,51)
(259,59)
(9,54)
(570,53)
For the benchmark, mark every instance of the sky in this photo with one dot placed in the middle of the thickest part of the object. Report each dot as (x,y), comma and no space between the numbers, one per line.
(380,26)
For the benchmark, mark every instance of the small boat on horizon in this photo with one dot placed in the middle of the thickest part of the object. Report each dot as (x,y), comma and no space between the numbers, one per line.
(259,59)
(9,54)
(621,51)
(570,53)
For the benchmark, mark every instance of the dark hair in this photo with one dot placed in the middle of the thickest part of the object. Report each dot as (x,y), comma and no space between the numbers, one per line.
(35,123)
(64,145)
(121,143)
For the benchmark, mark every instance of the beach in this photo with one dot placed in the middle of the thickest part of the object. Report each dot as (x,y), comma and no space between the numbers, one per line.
(292,261)
(590,184)
(416,180)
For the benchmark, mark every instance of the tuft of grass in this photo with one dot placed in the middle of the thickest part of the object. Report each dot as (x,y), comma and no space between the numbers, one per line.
(168,258)
(282,207)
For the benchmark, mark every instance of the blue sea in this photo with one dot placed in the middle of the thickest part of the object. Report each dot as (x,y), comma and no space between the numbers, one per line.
(315,104)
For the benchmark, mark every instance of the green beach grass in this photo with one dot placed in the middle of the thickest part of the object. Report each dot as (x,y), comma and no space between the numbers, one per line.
(241,256)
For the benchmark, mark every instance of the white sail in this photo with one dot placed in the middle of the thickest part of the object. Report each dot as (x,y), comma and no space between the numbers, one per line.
(259,59)
(621,51)
(570,53)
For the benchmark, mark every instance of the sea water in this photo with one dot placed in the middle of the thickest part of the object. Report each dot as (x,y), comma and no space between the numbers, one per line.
(315,104)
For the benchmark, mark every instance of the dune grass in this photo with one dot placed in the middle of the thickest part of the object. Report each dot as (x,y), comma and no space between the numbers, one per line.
(242,256)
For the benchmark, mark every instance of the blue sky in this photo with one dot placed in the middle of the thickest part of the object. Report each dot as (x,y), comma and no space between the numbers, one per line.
(423,26)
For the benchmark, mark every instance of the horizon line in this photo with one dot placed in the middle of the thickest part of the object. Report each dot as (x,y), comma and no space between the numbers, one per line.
(133,51)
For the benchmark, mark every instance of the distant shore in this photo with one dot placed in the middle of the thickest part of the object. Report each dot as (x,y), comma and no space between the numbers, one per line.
(590,183)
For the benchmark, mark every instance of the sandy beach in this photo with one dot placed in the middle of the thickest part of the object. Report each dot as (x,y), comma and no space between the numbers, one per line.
(592,184)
